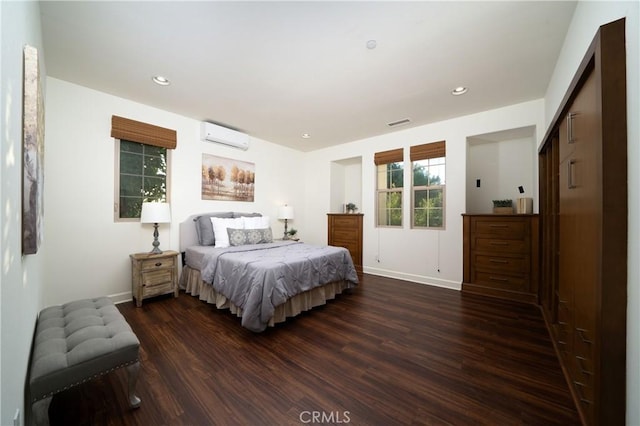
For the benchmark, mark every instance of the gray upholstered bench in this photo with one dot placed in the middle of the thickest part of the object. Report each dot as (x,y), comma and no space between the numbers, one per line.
(76,342)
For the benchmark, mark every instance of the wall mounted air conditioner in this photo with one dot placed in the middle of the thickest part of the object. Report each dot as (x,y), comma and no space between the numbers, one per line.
(213,133)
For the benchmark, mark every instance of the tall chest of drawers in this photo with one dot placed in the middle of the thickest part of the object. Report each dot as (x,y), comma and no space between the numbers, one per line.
(501,256)
(345,230)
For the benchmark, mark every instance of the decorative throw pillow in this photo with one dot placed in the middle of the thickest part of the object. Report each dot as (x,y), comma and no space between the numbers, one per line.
(239,237)
(220,226)
(204,228)
(261,222)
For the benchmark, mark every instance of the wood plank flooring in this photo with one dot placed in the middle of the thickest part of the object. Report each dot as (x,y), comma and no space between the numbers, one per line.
(389,353)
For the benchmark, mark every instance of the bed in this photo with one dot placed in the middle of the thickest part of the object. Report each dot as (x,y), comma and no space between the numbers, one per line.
(231,260)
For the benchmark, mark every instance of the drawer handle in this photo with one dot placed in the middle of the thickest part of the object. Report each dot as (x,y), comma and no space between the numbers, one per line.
(159,264)
(579,387)
(582,333)
(501,261)
(570,118)
(581,361)
(571,173)
(498,243)
(498,279)
(498,226)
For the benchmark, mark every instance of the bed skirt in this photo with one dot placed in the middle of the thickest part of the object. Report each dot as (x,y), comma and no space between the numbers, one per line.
(191,282)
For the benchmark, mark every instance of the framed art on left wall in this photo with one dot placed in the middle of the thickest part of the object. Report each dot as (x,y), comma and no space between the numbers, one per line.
(32,153)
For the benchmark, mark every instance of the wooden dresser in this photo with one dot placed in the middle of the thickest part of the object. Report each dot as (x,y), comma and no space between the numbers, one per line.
(345,230)
(501,255)
(153,275)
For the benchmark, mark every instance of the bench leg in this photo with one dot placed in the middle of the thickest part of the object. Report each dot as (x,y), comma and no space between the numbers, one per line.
(132,371)
(40,411)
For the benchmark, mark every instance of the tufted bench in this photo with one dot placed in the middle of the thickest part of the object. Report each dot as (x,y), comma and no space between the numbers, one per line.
(76,342)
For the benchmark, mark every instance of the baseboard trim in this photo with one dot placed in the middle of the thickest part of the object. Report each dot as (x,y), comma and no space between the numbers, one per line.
(117,298)
(420,279)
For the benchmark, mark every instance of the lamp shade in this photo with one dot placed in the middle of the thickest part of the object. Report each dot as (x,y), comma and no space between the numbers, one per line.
(285,212)
(155,213)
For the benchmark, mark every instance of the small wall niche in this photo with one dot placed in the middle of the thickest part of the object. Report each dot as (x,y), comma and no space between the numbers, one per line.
(346,184)
(498,165)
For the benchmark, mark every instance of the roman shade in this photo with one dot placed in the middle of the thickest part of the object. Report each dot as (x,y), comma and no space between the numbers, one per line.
(427,150)
(386,157)
(137,131)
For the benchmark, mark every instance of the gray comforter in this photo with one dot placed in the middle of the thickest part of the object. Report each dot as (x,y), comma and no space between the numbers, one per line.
(257,278)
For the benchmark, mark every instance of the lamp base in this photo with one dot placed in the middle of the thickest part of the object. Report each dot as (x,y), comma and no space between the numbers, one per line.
(156,243)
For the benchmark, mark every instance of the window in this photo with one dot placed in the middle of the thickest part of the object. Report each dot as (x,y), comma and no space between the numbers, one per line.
(390,181)
(142,165)
(428,185)
(142,176)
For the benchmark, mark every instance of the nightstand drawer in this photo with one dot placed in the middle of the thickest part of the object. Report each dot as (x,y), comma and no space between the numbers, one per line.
(158,277)
(150,264)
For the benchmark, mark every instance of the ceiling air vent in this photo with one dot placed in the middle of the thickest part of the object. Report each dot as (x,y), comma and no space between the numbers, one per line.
(399,122)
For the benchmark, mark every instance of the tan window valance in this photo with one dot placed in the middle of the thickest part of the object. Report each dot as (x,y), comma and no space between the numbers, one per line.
(386,157)
(428,150)
(137,131)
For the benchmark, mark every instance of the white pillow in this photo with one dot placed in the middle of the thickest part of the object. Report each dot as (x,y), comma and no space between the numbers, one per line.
(220,226)
(259,222)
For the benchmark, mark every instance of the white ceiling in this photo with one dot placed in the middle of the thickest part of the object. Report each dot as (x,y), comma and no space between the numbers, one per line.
(276,70)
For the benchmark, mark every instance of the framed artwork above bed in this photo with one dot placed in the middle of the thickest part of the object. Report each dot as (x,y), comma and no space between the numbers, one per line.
(226,179)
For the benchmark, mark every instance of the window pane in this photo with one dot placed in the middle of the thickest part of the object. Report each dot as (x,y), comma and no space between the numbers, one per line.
(420,199)
(130,207)
(435,197)
(130,186)
(435,218)
(127,146)
(420,173)
(390,208)
(143,177)
(130,163)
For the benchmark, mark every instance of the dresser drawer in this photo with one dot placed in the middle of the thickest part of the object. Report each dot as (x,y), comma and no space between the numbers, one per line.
(506,229)
(344,235)
(150,264)
(512,264)
(501,281)
(499,245)
(346,221)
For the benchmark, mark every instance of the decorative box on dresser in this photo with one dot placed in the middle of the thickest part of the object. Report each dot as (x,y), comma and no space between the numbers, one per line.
(345,230)
(154,275)
(501,255)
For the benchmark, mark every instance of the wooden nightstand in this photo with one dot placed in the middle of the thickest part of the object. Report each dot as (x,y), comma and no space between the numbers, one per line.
(153,275)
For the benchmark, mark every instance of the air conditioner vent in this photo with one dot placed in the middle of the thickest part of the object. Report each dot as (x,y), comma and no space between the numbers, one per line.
(399,122)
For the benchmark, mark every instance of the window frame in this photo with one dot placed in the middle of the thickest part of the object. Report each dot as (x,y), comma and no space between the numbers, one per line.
(117,175)
(395,156)
(419,153)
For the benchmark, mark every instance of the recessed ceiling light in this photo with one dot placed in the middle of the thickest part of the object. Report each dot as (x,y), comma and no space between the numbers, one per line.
(371,44)
(306,136)
(162,81)
(459,91)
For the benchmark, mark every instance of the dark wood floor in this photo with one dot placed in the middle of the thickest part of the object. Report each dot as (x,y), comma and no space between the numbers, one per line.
(389,353)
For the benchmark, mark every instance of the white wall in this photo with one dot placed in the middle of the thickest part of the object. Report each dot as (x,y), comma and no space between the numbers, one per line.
(587,18)
(424,256)
(501,167)
(21,278)
(89,252)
